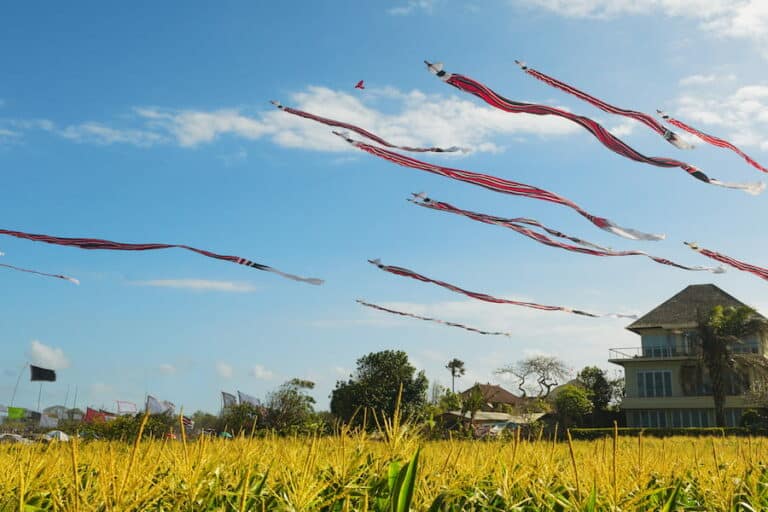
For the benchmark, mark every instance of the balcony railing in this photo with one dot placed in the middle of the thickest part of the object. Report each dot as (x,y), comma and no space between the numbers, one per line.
(668,352)
(648,352)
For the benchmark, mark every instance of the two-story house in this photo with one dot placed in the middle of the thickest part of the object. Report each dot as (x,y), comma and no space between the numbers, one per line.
(667,384)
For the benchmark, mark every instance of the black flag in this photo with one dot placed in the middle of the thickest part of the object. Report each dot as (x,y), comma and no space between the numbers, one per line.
(42,373)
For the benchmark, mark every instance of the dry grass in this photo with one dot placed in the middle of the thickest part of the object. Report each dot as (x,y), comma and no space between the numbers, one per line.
(354,472)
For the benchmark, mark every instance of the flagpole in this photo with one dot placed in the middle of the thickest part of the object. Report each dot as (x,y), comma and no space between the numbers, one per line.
(66,398)
(16,387)
(39,394)
(74,403)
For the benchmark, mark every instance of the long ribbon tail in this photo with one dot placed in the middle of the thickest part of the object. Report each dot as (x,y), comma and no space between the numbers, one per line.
(499,185)
(99,244)
(30,271)
(362,131)
(606,138)
(514,224)
(722,258)
(400,271)
(641,117)
(429,319)
(711,139)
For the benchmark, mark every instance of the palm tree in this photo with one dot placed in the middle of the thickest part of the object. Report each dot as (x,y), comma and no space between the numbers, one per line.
(718,332)
(456,366)
(471,403)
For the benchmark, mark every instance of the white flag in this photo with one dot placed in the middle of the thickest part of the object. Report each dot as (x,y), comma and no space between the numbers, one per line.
(248,399)
(229,399)
(126,407)
(154,406)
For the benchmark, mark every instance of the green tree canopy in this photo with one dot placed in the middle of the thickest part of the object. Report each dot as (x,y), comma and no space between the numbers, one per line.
(572,403)
(600,390)
(375,386)
(289,408)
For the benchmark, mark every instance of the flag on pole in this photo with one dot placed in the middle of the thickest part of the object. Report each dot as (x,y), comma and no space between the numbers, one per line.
(248,399)
(229,399)
(155,406)
(189,423)
(15,413)
(94,416)
(44,374)
(124,407)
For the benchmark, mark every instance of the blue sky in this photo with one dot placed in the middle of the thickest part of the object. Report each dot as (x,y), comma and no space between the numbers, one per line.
(151,123)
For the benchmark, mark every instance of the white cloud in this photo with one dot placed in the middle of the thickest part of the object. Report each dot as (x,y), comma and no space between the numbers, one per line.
(411,7)
(747,19)
(46,356)
(740,117)
(260,372)
(191,128)
(694,80)
(224,370)
(96,133)
(199,285)
(411,118)
(167,369)
(625,128)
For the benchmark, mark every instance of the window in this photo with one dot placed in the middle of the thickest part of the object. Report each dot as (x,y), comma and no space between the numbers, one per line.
(651,418)
(654,383)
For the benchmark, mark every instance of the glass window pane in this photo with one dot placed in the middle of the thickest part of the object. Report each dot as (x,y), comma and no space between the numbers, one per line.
(662,418)
(640,384)
(658,384)
(667,383)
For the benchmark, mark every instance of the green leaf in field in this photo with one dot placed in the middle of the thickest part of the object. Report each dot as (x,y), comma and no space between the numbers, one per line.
(669,506)
(402,494)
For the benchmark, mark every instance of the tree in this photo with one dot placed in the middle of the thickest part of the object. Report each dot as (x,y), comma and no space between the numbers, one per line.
(375,386)
(572,403)
(600,390)
(456,367)
(472,403)
(290,407)
(204,420)
(243,417)
(547,371)
(718,331)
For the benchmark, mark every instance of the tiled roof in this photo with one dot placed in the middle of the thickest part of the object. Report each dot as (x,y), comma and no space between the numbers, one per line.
(683,308)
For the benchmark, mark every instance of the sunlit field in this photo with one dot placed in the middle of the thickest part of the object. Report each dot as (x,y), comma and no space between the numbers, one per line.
(354,471)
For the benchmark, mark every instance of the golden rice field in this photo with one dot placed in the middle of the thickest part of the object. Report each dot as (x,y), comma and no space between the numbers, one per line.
(355,472)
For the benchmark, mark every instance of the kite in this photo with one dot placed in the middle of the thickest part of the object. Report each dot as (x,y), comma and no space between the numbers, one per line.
(515,225)
(359,85)
(95,243)
(400,271)
(604,136)
(57,276)
(500,185)
(740,265)
(362,131)
(428,319)
(711,139)
(646,119)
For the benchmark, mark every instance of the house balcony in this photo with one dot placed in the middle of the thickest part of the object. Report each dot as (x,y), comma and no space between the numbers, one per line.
(623,354)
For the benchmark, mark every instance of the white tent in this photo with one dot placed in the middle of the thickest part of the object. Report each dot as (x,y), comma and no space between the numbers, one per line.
(57,435)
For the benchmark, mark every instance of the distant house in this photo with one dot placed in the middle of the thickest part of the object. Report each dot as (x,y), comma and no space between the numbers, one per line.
(495,397)
(666,383)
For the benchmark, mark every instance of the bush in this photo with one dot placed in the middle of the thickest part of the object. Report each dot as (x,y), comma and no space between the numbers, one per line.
(596,433)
